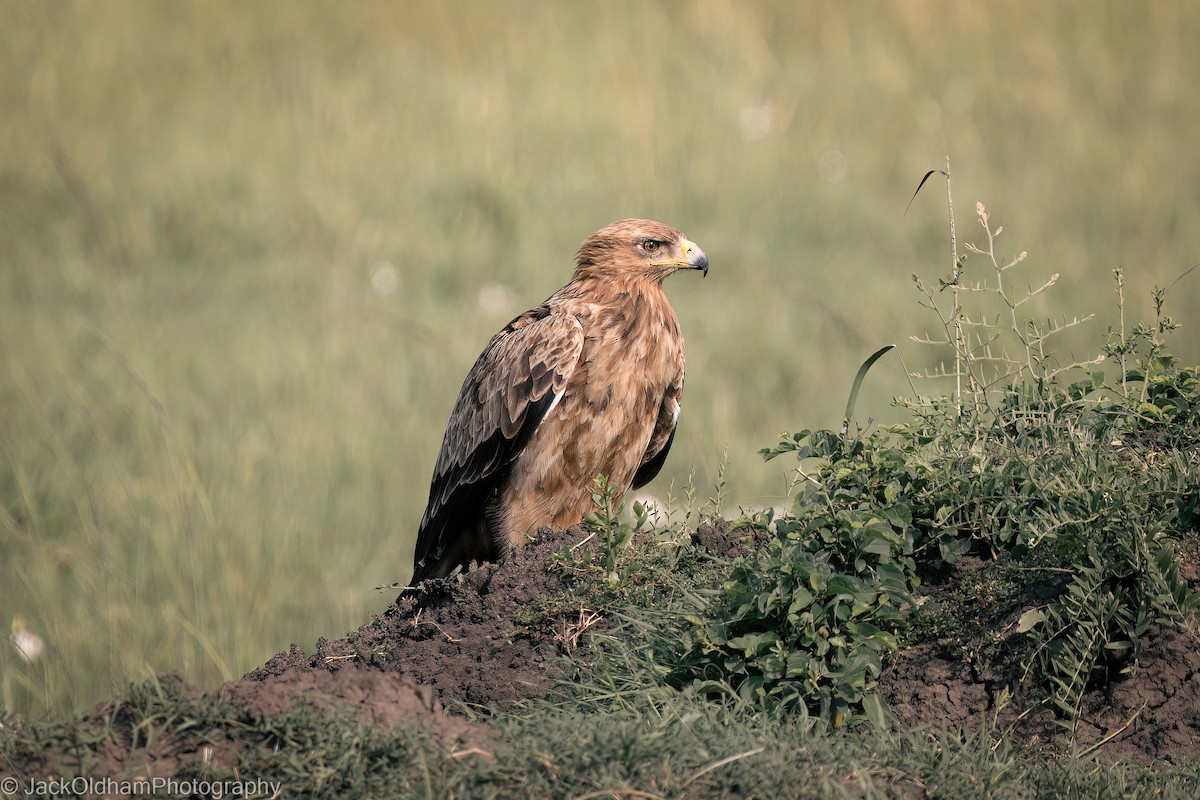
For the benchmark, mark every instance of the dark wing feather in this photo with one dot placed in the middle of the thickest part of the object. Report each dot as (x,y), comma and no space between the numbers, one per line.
(663,436)
(648,470)
(514,383)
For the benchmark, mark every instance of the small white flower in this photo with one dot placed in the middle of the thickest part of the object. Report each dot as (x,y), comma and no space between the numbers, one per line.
(755,121)
(29,645)
(495,298)
(384,278)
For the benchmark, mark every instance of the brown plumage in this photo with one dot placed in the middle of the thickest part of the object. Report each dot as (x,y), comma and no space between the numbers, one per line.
(586,384)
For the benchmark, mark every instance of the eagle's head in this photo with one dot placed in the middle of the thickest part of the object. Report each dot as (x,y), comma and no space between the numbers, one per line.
(638,248)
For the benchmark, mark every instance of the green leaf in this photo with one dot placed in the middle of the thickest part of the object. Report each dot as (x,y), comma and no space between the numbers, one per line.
(1030,620)
(952,550)
(858,379)
(879,547)
(899,514)
(801,599)
(877,712)
(861,629)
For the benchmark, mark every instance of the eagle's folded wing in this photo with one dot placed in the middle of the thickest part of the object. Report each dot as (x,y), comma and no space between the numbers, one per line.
(663,435)
(515,382)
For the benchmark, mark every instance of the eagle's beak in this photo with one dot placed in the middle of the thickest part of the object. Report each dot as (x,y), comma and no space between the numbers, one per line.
(694,256)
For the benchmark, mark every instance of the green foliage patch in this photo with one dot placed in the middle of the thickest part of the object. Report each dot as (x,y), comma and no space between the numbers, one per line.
(1094,479)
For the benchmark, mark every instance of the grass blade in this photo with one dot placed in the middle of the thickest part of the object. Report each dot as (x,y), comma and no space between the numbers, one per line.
(858,379)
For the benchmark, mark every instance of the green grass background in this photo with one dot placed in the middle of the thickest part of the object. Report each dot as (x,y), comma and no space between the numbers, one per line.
(249,250)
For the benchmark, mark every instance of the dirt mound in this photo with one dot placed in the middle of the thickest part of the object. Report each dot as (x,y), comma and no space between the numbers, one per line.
(458,636)
(115,746)
(1151,713)
(487,638)
(458,642)
(381,699)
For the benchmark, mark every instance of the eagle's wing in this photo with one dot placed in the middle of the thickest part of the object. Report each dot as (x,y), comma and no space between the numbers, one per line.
(663,435)
(517,379)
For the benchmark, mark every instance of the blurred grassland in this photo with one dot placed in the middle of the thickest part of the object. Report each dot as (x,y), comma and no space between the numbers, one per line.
(249,250)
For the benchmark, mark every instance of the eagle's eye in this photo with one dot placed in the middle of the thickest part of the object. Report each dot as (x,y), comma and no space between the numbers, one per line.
(651,246)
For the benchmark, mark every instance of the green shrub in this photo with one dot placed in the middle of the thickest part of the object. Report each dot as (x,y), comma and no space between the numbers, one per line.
(793,630)
(1094,479)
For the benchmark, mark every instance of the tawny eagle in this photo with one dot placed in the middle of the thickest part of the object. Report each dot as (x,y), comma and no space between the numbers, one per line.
(586,384)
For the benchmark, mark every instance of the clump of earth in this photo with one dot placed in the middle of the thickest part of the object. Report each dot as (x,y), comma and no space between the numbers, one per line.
(453,645)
